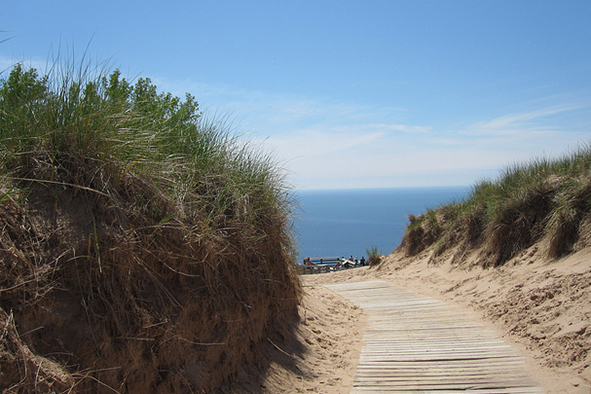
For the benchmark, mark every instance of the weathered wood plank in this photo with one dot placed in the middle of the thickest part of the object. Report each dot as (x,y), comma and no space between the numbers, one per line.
(415,344)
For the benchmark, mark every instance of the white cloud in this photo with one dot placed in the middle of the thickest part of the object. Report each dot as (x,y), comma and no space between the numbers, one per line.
(329,144)
(421,156)
(406,128)
(310,143)
(520,123)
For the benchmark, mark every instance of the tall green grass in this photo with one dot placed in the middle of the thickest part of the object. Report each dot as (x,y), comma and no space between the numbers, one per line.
(58,127)
(543,199)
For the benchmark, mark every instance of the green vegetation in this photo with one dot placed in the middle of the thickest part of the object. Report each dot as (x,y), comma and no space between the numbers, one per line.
(543,200)
(374,257)
(163,241)
(126,127)
(53,131)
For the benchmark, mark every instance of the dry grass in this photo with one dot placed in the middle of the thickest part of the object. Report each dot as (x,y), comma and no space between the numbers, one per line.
(136,257)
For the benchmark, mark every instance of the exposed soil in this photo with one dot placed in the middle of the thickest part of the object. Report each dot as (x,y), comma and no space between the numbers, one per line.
(97,296)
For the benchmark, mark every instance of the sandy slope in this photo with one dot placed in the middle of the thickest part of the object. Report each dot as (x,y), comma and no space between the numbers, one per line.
(323,356)
(542,308)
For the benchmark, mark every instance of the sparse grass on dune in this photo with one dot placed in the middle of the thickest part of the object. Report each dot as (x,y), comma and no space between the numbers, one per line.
(542,200)
(143,244)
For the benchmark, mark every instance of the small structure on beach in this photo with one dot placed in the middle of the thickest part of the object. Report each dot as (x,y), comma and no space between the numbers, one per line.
(317,265)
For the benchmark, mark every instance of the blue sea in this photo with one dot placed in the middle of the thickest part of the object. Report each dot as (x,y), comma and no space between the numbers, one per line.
(332,223)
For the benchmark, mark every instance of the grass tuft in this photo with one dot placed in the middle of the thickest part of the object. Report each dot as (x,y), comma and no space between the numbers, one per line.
(374,258)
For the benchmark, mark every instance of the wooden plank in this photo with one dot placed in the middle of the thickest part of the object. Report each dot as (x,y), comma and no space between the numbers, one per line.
(378,389)
(415,344)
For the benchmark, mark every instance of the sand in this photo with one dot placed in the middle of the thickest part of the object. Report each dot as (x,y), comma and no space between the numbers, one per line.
(323,356)
(542,308)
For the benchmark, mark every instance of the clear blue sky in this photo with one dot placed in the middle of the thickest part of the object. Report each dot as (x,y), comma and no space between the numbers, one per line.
(364,93)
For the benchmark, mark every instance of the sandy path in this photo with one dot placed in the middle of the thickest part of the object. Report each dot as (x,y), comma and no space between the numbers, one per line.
(543,309)
(323,355)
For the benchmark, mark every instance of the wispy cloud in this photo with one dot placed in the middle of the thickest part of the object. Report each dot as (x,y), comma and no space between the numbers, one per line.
(412,129)
(276,112)
(525,122)
(410,155)
(330,144)
(311,143)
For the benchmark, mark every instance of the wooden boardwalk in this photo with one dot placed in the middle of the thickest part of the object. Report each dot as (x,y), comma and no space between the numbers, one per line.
(414,344)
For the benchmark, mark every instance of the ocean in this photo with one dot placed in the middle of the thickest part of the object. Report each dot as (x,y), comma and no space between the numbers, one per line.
(332,223)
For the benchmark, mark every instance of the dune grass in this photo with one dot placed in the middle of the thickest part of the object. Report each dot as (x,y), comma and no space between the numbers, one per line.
(155,220)
(373,256)
(541,200)
(67,121)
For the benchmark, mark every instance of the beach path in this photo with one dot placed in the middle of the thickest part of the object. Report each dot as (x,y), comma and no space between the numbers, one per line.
(415,344)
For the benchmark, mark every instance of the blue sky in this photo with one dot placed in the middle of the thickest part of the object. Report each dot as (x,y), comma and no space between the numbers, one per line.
(348,94)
